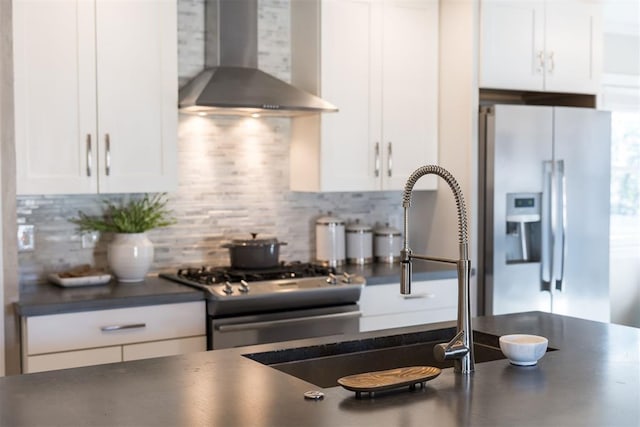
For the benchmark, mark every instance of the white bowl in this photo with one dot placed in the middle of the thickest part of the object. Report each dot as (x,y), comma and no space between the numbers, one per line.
(523,350)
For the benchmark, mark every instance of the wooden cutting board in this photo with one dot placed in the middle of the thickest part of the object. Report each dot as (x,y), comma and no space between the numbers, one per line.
(393,378)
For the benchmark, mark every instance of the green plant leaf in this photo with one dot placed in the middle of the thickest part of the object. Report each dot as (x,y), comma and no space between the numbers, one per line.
(135,216)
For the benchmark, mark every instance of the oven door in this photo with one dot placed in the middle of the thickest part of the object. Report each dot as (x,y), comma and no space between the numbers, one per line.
(282,326)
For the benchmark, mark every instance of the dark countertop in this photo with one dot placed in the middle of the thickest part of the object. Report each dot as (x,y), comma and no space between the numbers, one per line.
(593,379)
(380,274)
(46,298)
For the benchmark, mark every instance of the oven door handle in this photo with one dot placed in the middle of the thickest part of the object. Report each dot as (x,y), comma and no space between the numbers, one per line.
(271,323)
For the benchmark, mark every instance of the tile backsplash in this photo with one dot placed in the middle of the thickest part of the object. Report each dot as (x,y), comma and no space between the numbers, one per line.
(233,179)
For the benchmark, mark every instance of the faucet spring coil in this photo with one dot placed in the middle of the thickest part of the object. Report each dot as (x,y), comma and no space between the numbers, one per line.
(455,187)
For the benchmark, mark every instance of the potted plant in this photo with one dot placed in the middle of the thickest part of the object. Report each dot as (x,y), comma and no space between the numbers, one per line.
(130,253)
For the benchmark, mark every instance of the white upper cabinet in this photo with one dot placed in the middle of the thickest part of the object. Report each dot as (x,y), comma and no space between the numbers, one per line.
(551,46)
(377,61)
(95,96)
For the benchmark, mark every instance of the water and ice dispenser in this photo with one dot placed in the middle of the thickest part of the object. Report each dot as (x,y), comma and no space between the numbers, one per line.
(523,238)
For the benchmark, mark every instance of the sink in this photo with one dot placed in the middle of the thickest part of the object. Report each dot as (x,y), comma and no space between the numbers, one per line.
(322,365)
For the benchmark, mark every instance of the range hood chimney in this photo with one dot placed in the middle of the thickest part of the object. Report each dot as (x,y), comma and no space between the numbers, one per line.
(233,84)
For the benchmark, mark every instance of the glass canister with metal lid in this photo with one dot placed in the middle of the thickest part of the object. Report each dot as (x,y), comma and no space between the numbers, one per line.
(330,241)
(387,243)
(359,243)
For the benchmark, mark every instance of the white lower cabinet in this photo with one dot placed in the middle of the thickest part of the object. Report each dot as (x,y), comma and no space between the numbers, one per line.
(70,340)
(72,359)
(163,348)
(430,301)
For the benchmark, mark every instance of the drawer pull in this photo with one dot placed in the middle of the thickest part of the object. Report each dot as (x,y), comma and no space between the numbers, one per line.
(112,328)
(418,296)
(88,154)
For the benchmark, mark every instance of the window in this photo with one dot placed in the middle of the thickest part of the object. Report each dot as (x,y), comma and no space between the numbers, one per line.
(625,163)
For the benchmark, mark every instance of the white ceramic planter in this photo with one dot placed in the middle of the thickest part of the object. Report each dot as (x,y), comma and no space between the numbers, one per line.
(130,256)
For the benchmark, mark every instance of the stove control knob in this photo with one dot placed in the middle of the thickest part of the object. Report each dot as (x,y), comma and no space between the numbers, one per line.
(332,279)
(244,286)
(346,277)
(227,288)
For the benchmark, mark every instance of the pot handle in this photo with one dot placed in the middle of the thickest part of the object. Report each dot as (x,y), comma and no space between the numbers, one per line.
(254,235)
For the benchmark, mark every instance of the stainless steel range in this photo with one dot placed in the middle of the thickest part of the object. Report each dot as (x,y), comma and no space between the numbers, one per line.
(291,301)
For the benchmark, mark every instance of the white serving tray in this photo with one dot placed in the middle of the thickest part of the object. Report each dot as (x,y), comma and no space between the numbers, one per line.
(100,279)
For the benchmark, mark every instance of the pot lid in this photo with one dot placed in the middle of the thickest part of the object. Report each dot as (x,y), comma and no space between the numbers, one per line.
(254,241)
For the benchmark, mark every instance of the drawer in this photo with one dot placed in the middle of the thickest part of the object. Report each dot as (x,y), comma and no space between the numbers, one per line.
(429,294)
(398,320)
(72,359)
(164,348)
(103,328)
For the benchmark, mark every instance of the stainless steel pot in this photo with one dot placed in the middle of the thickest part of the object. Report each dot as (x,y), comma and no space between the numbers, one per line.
(254,253)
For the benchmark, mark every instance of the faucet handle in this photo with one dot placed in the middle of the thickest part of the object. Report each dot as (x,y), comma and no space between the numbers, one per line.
(454,349)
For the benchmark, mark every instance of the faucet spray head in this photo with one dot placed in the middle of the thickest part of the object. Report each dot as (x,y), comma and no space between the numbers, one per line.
(405,272)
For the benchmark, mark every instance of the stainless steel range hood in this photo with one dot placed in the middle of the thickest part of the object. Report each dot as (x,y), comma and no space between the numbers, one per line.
(233,84)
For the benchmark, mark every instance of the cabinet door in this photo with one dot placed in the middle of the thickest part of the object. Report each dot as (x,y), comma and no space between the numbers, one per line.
(512,45)
(120,57)
(409,101)
(431,301)
(72,359)
(103,328)
(378,64)
(350,80)
(164,348)
(55,115)
(573,47)
(137,95)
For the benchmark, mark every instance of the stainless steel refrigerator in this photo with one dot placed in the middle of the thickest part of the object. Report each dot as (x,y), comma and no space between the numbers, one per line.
(544,210)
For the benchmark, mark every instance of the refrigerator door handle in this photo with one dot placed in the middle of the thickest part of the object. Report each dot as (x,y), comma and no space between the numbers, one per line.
(546,243)
(561,228)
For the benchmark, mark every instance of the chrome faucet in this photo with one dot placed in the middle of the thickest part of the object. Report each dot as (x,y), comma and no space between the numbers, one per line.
(460,348)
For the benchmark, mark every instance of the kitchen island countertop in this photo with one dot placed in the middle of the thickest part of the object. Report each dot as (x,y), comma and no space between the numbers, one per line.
(593,379)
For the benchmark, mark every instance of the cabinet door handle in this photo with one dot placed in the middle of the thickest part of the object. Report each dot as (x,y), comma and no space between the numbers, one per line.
(418,296)
(88,154)
(540,67)
(107,145)
(112,328)
(390,160)
(254,326)
(552,63)
(377,161)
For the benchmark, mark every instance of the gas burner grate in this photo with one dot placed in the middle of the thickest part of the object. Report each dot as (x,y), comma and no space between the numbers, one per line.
(207,275)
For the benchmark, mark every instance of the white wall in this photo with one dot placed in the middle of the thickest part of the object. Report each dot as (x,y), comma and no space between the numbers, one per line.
(9,330)
(433,220)
(621,92)
(4,23)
